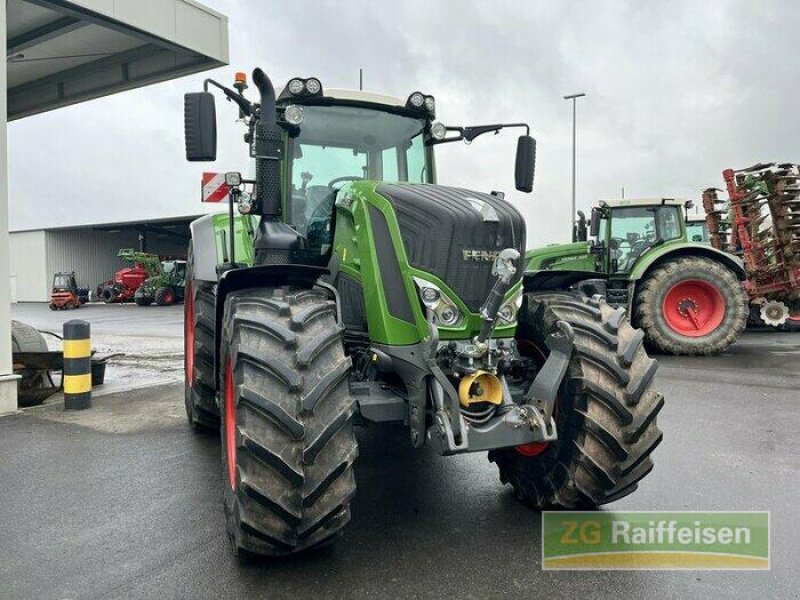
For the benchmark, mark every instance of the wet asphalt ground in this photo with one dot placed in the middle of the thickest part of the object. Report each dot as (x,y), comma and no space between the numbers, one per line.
(124,501)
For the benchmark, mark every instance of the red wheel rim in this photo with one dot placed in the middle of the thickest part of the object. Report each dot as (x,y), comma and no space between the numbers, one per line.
(693,308)
(188,336)
(531,350)
(230,424)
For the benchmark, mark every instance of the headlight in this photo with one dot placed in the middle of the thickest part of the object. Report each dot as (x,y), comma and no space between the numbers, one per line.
(313,86)
(417,100)
(296,86)
(444,310)
(293,114)
(438,131)
(508,312)
(430,104)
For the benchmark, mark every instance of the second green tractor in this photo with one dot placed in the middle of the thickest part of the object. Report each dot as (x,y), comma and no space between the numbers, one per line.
(686,296)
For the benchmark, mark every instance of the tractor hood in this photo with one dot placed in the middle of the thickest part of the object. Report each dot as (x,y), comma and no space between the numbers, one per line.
(455,234)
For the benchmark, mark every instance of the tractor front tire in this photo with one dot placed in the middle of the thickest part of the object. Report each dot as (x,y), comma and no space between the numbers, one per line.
(200,396)
(605,412)
(164,296)
(691,306)
(143,300)
(287,438)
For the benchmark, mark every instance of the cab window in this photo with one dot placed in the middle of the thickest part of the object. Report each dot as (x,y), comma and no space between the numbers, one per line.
(636,229)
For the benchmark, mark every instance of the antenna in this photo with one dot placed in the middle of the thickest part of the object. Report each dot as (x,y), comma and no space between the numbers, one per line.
(360,78)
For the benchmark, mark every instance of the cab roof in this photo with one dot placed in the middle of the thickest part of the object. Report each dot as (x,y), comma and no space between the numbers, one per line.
(696,218)
(358,96)
(644,202)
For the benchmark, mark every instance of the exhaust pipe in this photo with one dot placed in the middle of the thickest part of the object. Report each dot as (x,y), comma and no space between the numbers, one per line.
(268,147)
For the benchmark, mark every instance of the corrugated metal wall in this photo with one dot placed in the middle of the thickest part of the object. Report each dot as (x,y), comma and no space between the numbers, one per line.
(92,254)
(36,255)
(29,281)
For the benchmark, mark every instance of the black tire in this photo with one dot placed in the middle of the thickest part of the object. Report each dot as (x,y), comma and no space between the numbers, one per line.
(200,396)
(143,300)
(52,306)
(289,418)
(164,296)
(606,410)
(649,312)
(109,294)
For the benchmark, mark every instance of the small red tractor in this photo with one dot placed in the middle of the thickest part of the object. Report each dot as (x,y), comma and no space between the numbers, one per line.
(122,287)
(760,222)
(65,293)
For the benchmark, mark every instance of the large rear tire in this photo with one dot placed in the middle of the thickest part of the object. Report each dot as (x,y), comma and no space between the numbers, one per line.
(200,396)
(287,439)
(164,296)
(605,413)
(691,306)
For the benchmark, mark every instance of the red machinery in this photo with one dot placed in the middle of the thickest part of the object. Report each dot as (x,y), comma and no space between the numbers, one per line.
(127,280)
(760,221)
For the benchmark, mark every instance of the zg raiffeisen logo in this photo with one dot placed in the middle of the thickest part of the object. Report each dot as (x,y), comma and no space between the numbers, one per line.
(655,540)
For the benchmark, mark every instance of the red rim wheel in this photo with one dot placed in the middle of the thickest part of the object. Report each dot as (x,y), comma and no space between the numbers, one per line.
(230,424)
(188,336)
(693,308)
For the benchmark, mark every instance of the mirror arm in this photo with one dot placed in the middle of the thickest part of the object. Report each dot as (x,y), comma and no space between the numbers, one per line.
(470,133)
(244,104)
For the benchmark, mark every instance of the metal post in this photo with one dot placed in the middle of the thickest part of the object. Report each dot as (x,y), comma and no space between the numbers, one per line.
(77,349)
(573,97)
(8,381)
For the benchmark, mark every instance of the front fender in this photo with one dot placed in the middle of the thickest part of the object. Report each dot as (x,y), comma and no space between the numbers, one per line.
(661,254)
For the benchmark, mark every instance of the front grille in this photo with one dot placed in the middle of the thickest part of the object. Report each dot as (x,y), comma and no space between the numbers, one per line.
(438,224)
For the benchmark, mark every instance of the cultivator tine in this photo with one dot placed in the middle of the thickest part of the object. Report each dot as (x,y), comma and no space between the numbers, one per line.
(760,221)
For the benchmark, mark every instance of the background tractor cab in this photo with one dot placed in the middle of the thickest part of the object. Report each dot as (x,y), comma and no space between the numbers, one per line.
(624,230)
(697,229)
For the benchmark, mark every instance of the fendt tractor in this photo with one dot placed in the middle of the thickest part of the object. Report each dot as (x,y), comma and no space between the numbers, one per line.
(686,296)
(352,288)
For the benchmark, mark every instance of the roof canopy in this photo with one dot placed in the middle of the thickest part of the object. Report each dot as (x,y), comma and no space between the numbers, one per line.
(61,52)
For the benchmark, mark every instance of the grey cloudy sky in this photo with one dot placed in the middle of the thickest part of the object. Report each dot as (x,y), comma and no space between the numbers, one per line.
(676,91)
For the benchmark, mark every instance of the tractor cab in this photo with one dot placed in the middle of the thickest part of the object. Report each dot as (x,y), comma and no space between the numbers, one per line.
(624,230)
(697,229)
(64,282)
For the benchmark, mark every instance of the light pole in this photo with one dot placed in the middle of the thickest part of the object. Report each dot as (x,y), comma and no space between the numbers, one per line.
(573,97)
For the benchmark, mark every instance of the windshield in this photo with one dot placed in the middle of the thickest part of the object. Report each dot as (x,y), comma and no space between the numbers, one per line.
(634,229)
(340,144)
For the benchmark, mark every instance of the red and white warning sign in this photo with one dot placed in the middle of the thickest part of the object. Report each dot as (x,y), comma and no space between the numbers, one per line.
(214,187)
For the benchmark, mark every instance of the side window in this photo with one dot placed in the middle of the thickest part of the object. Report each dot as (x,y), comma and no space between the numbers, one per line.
(415,155)
(390,170)
(633,229)
(670,218)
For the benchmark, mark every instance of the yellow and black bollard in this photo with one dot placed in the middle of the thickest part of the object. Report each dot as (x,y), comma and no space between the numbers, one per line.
(77,365)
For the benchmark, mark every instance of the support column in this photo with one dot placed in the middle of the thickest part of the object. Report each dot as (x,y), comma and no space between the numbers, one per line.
(8,381)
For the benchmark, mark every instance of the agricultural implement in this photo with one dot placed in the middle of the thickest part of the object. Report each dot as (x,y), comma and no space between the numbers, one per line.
(685,295)
(351,286)
(760,222)
(122,287)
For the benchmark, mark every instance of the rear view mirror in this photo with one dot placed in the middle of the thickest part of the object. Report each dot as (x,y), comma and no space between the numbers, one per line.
(525,163)
(594,225)
(200,126)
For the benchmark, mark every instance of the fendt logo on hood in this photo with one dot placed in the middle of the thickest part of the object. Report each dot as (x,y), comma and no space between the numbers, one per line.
(480,255)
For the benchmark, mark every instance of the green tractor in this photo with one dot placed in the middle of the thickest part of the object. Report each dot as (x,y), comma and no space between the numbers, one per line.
(351,288)
(686,296)
(697,229)
(167,286)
